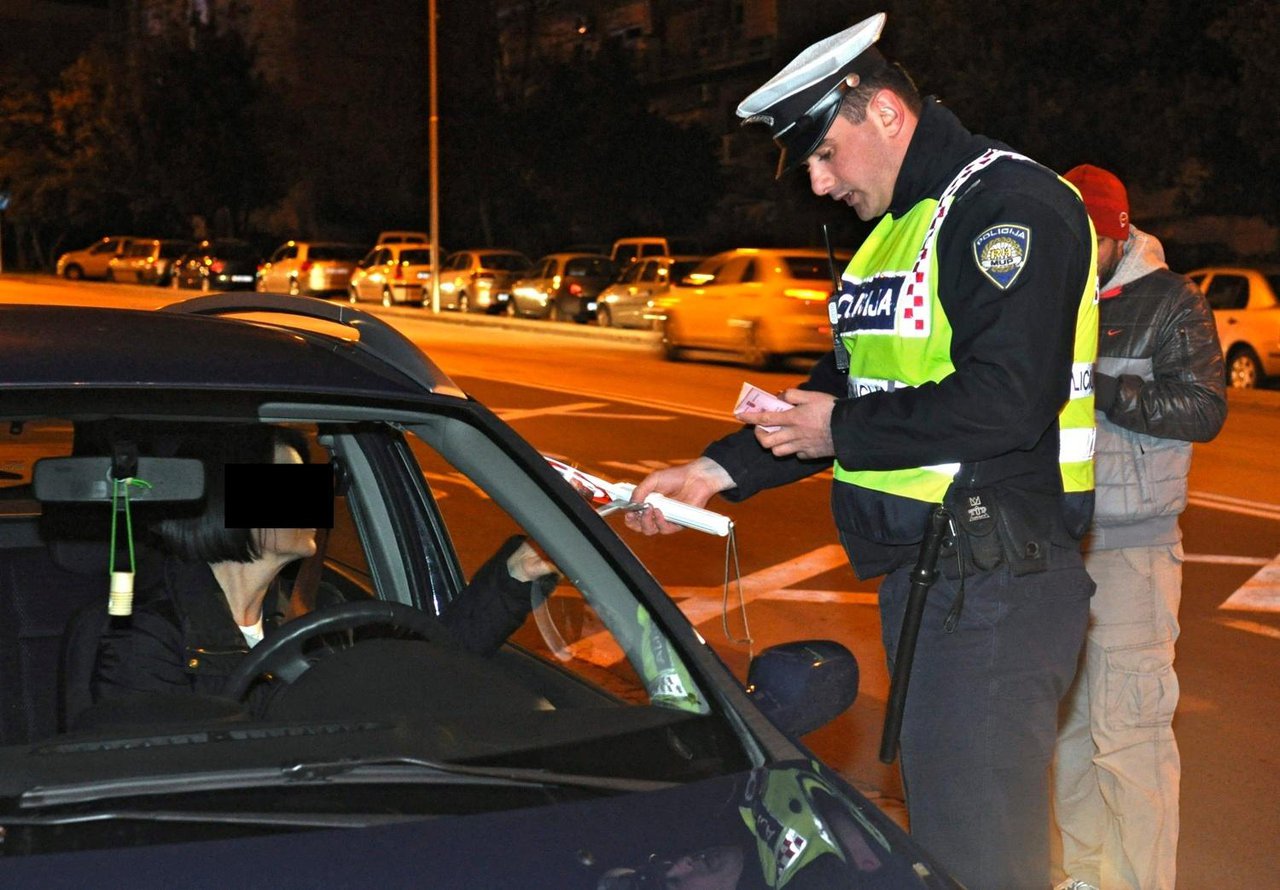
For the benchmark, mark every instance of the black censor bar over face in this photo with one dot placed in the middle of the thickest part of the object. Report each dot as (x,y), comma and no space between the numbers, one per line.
(279,496)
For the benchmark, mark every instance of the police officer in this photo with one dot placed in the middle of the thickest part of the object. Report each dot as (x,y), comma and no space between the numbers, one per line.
(965,331)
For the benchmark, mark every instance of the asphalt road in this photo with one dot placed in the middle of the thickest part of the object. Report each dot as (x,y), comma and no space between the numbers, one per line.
(608,402)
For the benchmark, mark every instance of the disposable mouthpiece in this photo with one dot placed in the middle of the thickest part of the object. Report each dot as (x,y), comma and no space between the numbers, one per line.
(120,602)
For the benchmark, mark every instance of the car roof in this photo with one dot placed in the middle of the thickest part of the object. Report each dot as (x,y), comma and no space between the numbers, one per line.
(575,254)
(240,361)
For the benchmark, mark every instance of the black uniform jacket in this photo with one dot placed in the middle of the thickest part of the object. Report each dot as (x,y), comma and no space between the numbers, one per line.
(1011,349)
(183,638)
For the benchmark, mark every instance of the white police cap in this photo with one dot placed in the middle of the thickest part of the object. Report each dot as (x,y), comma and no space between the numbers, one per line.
(800,102)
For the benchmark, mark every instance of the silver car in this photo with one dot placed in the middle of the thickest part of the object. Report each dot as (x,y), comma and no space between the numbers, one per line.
(480,280)
(94,261)
(147,261)
(629,301)
(392,273)
(318,268)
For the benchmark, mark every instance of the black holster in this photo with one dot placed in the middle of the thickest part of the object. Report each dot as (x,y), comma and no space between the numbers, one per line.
(994,527)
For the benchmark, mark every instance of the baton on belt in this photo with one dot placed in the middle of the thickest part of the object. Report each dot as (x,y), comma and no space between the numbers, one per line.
(922,577)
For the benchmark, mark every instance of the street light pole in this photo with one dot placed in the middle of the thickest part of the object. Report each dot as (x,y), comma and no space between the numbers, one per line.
(434,148)
(4,205)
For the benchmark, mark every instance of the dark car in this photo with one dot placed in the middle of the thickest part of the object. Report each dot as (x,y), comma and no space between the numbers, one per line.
(562,286)
(604,745)
(220,264)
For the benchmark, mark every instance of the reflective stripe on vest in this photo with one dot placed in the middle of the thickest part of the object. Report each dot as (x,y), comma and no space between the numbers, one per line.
(897,335)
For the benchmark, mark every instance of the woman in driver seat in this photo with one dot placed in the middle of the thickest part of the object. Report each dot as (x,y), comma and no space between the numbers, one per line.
(217,592)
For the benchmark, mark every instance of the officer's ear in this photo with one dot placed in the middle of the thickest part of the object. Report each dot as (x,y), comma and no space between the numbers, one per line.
(888,111)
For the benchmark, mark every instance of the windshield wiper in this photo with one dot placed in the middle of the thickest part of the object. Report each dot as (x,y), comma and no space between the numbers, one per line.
(352,771)
(219,817)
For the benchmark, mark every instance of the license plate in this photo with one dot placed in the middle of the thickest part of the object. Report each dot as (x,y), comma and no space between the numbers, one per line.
(242,278)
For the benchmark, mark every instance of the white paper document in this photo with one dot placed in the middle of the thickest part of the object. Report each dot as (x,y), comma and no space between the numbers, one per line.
(752,399)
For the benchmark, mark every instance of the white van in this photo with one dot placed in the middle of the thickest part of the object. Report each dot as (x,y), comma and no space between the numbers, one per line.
(400,237)
(628,250)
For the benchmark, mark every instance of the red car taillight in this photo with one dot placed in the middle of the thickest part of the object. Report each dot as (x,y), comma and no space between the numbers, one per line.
(399,276)
(217,266)
(575,289)
(305,268)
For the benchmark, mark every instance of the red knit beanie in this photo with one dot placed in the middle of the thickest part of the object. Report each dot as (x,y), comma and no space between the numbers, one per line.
(1105,199)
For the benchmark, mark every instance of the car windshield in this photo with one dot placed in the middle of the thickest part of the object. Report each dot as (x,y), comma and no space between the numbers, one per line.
(589,267)
(417,520)
(1273,279)
(342,252)
(233,250)
(504,262)
(681,268)
(806,268)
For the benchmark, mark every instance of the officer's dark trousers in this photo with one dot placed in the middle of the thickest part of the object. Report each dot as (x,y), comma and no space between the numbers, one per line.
(981,715)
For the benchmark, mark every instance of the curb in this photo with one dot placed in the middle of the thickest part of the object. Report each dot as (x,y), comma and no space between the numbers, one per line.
(541,326)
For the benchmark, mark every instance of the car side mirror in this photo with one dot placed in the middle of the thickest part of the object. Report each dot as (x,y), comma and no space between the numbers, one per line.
(803,685)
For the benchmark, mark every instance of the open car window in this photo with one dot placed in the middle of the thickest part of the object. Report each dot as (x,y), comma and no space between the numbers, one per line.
(592,623)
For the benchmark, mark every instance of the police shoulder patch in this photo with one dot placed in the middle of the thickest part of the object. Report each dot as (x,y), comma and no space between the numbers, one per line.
(1001,252)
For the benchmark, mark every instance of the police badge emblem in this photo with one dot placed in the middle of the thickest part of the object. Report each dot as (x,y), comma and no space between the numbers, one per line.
(1001,252)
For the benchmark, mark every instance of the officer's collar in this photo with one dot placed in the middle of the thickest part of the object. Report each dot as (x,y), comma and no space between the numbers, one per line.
(939,145)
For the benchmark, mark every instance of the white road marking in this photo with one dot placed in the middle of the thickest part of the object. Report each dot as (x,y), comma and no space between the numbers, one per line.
(645,467)
(705,603)
(1226,560)
(1252,627)
(1259,509)
(790,595)
(1261,593)
(454,479)
(627,399)
(510,415)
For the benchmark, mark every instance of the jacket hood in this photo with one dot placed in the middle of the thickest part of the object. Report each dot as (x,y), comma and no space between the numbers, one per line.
(1143,254)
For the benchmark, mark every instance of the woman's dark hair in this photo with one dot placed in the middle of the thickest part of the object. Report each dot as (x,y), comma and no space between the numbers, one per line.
(203,536)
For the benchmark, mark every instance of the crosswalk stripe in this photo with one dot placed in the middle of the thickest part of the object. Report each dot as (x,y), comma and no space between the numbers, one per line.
(1253,627)
(1261,593)
(1241,506)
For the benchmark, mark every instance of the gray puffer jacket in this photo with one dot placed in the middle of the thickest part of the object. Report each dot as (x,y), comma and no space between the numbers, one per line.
(1160,386)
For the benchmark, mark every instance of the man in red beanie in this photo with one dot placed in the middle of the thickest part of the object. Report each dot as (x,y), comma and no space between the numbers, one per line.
(1158,386)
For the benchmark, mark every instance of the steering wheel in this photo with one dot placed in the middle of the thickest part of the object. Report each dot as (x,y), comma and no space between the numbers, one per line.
(281,654)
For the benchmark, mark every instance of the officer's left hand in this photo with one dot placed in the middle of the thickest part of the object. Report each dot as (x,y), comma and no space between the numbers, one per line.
(804,431)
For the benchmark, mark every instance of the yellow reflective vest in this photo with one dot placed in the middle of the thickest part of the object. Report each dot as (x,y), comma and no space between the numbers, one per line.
(903,338)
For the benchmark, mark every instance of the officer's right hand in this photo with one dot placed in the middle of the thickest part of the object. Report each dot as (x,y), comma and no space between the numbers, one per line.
(693,483)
